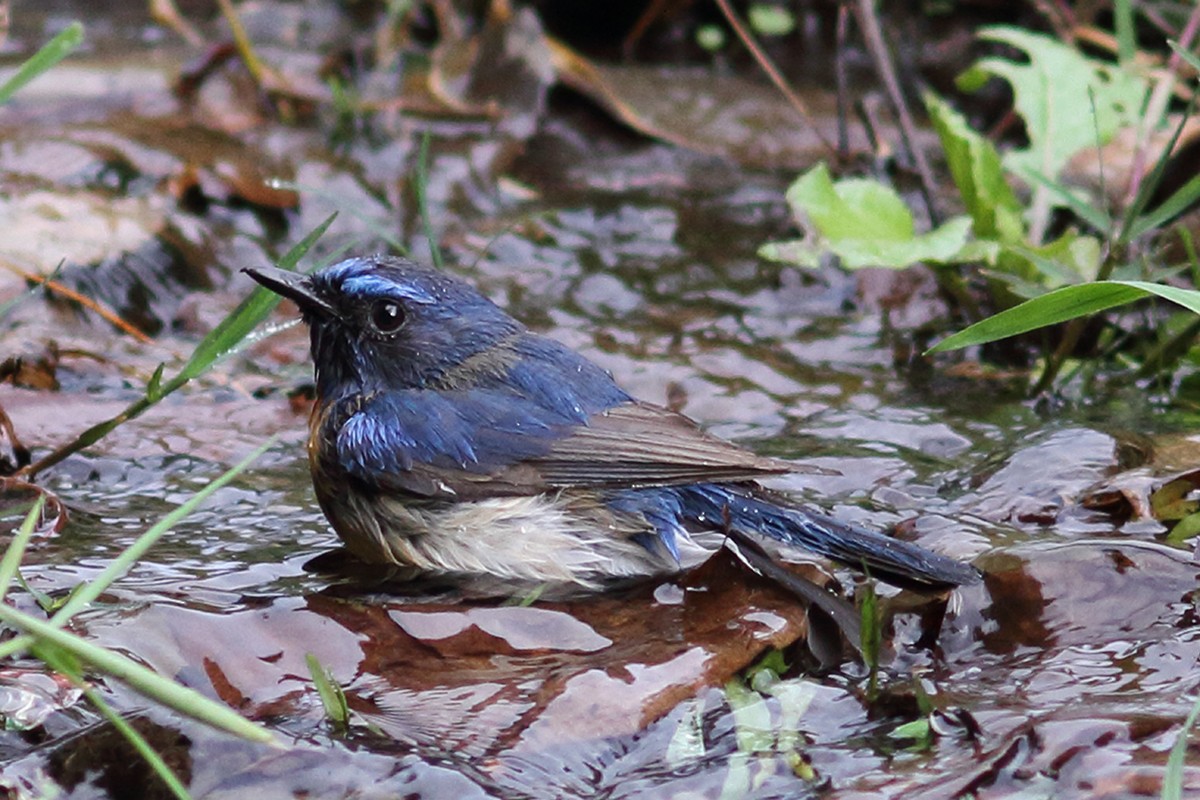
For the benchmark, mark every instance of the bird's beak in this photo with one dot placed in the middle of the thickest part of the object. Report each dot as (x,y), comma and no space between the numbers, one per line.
(293,286)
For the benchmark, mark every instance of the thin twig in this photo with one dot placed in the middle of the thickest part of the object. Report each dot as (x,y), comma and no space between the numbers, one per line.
(772,71)
(245,49)
(868,23)
(87,302)
(843,87)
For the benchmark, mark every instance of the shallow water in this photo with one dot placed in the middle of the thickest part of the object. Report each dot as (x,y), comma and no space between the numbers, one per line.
(1066,672)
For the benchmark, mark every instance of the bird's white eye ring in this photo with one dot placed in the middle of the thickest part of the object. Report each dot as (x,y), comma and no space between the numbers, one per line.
(387,316)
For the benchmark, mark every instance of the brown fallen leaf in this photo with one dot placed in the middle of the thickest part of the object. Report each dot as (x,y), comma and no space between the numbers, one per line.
(723,115)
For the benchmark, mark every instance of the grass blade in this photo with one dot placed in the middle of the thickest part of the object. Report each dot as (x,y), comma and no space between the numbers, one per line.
(87,592)
(130,555)
(1061,305)
(333,699)
(16,548)
(139,743)
(1187,56)
(1170,208)
(243,319)
(1172,788)
(182,699)
(50,54)
(435,252)
(1097,218)
(222,340)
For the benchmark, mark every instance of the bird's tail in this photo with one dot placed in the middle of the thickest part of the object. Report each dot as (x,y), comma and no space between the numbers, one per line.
(750,510)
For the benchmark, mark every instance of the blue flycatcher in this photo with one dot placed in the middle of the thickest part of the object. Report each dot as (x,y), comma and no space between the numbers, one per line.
(448,438)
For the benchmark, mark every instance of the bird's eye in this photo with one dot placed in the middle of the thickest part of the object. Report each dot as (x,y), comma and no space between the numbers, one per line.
(387,316)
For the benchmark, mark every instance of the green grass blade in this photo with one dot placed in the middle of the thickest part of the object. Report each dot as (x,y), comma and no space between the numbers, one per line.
(1126,31)
(243,319)
(1062,305)
(16,548)
(1170,208)
(1149,185)
(1172,788)
(69,668)
(872,635)
(86,593)
(222,340)
(182,699)
(139,743)
(435,252)
(1097,218)
(50,54)
(130,555)
(1187,56)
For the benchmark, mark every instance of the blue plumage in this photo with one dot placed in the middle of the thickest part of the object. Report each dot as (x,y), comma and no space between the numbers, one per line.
(448,437)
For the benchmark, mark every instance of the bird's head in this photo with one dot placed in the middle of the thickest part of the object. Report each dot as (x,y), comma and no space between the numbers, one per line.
(389,323)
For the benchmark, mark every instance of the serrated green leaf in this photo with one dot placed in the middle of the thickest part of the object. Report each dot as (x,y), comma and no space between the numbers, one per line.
(1053,94)
(851,208)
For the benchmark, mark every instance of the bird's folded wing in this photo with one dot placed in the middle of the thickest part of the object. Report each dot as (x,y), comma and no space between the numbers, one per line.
(638,444)
(478,444)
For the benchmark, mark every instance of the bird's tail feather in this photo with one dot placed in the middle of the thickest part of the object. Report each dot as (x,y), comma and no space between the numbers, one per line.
(751,510)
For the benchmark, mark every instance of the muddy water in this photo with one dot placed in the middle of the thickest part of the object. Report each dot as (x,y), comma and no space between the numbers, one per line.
(1066,673)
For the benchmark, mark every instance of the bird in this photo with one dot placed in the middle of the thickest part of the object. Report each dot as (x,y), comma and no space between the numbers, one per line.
(449,439)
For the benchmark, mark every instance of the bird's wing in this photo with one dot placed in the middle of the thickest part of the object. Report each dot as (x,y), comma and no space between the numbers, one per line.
(477,443)
(638,444)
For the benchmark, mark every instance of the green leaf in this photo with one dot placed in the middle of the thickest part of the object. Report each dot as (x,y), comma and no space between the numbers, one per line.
(975,166)
(333,699)
(1062,305)
(154,385)
(864,223)
(50,54)
(771,20)
(917,729)
(1186,529)
(872,634)
(1052,93)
